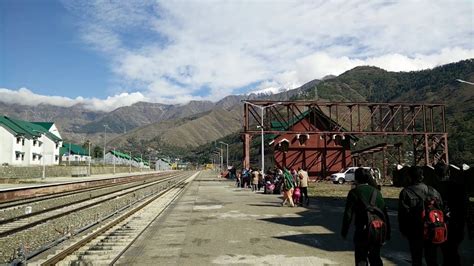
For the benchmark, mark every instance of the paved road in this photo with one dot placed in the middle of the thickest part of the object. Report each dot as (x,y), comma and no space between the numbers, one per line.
(216,223)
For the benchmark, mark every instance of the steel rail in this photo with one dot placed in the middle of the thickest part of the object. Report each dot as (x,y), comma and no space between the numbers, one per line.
(34,196)
(40,221)
(68,251)
(72,193)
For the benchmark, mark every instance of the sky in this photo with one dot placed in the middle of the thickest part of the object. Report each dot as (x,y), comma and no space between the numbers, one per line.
(109,53)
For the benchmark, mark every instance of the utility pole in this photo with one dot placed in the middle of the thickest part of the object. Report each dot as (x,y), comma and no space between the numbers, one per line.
(105,139)
(261,129)
(44,167)
(69,155)
(227,151)
(89,143)
(114,161)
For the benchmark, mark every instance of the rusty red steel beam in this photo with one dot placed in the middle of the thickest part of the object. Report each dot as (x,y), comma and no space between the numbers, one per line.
(381,133)
(266,102)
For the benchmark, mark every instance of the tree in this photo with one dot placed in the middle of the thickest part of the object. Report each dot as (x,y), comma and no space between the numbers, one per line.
(97,152)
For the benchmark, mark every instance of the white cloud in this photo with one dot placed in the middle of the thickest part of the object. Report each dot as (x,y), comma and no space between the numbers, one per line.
(26,97)
(176,51)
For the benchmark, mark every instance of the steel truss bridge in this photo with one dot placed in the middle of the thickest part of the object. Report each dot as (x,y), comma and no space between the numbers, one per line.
(424,123)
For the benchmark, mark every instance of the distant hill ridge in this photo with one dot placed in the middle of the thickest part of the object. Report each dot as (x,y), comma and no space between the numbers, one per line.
(198,122)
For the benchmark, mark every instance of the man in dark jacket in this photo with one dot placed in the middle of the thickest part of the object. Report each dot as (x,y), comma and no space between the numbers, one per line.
(453,190)
(355,207)
(410,219)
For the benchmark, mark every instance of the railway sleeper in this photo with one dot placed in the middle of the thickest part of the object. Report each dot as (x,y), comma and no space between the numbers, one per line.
(124,239)
(96,253)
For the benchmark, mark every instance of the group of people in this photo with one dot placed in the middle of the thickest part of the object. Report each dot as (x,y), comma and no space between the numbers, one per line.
(425,213)
(293,184)
(430,218)
(250,178)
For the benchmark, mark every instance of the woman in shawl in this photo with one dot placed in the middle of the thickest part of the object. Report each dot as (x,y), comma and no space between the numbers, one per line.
(288,186)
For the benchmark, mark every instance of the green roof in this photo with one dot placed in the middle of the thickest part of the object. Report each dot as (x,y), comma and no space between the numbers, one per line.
(75,149)
(15,128)
(120,154)
(45,125)
(283,126)
(27,129)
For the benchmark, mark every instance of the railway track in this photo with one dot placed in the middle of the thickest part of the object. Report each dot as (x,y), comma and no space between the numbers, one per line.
(29,236)
(23,210)
(107,244)
(15,196)
(17,224)
(25,200)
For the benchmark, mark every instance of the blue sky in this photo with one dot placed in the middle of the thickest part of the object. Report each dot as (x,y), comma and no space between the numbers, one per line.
(41,50)
(107,54)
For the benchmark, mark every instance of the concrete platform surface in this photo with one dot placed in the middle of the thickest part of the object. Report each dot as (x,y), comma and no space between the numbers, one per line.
(215,223)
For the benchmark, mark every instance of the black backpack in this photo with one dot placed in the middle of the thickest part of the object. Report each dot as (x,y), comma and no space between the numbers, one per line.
(376,222)
(432,217)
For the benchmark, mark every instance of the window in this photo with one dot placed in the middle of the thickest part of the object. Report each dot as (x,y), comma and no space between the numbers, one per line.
(302,139)
(18,140)
(40,143)
(23,142)
(56,157)
(34,157)
(284,146)
(19,155)
(34,142)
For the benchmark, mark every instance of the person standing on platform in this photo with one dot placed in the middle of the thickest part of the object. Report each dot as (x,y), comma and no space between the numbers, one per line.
(452,188)
(303,177)
(411,206)
(367,242)
(288,186)
(255,175)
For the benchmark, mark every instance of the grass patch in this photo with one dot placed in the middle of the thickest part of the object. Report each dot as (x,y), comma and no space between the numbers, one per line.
(328,189)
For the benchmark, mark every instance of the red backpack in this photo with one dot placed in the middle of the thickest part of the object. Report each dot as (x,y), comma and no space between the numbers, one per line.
(376,222)
(435,229)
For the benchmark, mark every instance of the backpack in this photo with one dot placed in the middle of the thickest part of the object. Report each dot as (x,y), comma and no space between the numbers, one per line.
(297,192)
(376,222)
(435,229)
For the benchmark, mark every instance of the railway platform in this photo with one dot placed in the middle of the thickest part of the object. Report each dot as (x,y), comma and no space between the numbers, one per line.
(39,182)
(216,223)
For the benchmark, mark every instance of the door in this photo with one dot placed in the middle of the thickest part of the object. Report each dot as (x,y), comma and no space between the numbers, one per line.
(349,176)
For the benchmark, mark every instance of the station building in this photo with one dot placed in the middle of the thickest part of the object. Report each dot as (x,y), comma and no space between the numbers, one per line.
(24,143)
(121,158)
(162,164)
(73,153)
(320,154)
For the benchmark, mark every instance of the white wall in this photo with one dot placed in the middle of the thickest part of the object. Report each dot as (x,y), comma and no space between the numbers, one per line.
(74,158)
(6,146)
(55,131)
(161,165)
(19,147)
(49,151)
(33,149)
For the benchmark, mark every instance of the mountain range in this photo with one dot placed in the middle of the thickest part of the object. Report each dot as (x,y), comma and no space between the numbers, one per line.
(198,123)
